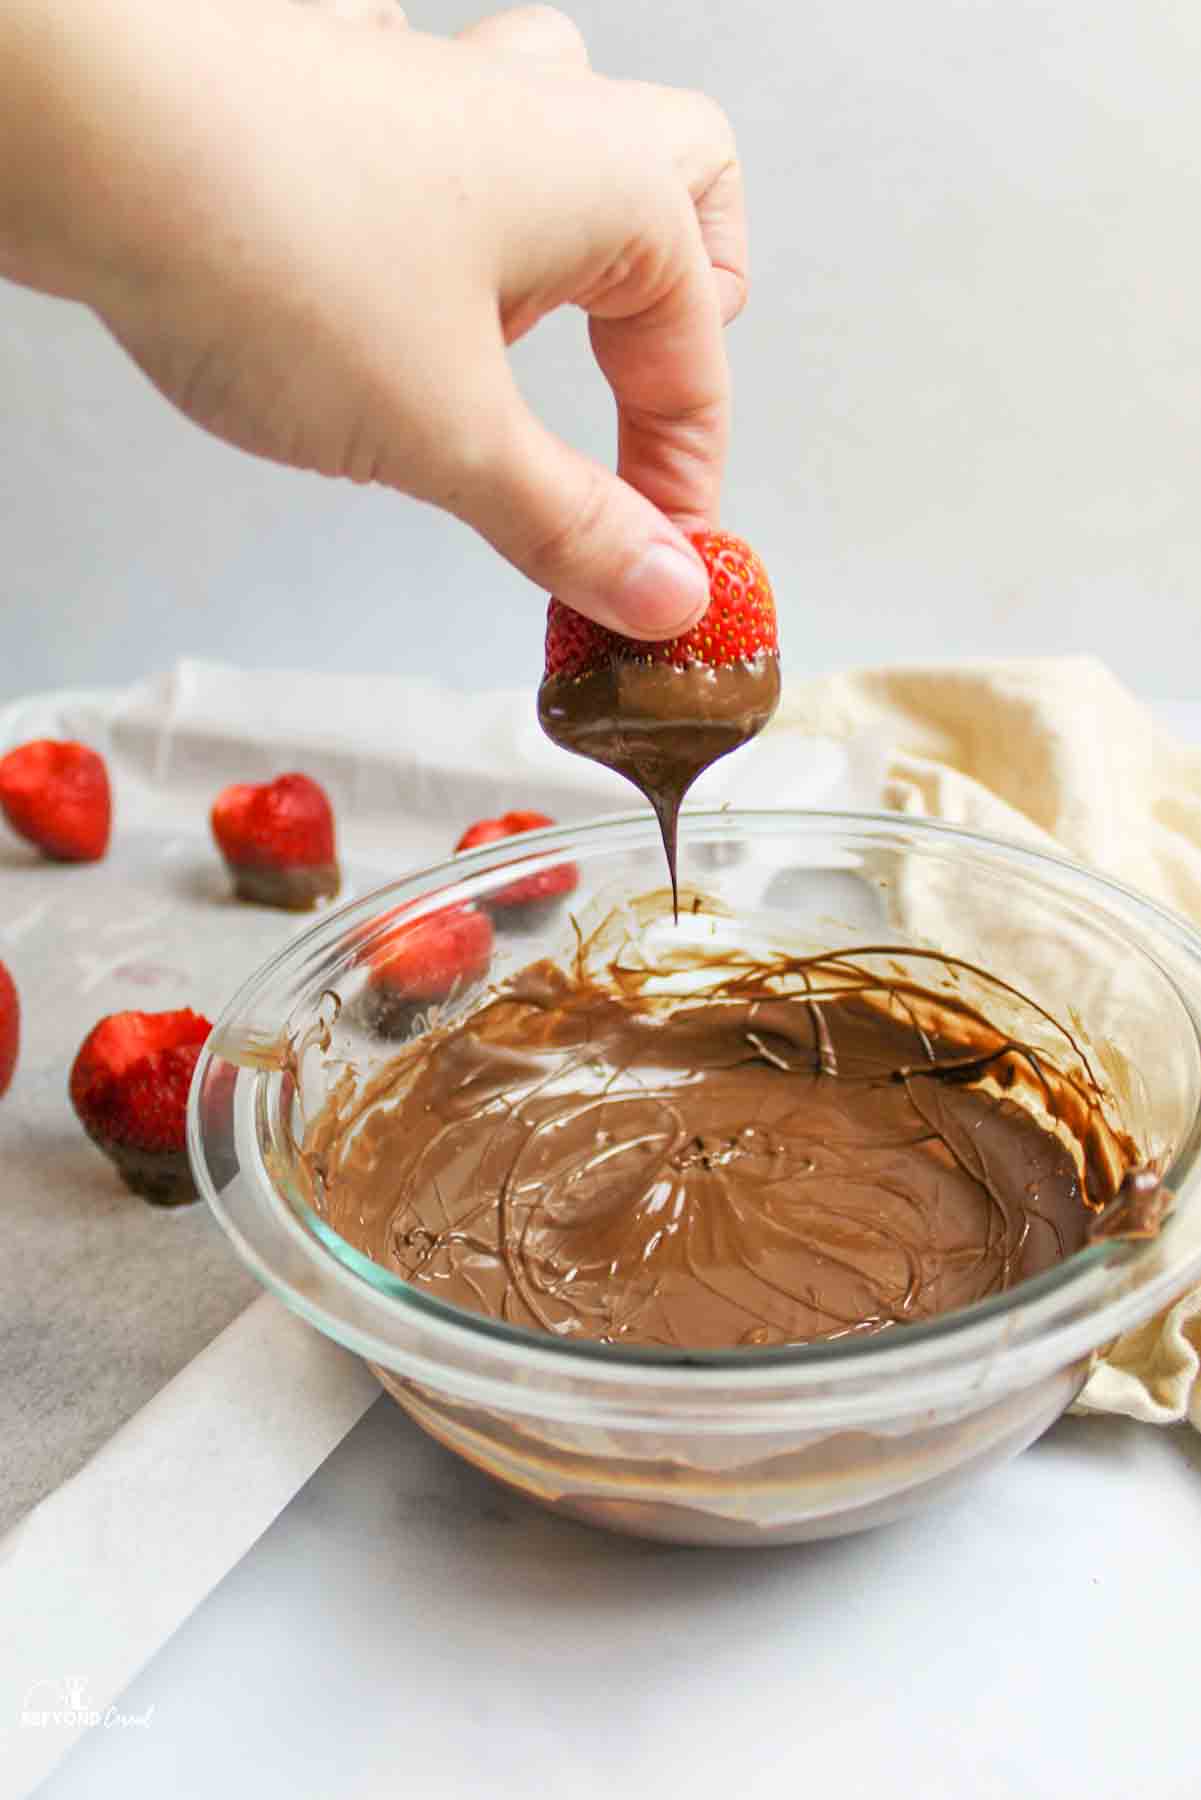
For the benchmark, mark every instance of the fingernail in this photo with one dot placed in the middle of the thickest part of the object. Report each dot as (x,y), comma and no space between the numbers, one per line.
(664,593)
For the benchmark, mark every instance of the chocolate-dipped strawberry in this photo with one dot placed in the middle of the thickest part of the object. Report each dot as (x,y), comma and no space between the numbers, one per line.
(129,1087)
(660,713)
(418,964)
(277,839)
(527,901)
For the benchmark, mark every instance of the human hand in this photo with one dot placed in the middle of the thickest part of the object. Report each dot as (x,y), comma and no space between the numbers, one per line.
(318,237)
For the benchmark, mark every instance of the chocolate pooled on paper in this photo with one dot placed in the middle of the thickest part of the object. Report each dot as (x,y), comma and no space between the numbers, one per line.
(801,1149)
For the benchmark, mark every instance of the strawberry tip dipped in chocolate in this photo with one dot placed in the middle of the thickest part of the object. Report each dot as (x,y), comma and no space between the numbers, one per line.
(278,841)
(526,901)
(661,713)
(56,795)
(129,1087)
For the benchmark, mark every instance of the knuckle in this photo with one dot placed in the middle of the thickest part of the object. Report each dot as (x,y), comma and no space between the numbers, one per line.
(712,127)
(690,129)
(558,30)
(642,274)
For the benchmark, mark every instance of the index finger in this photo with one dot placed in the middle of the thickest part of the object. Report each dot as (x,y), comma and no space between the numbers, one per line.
(670,377)
(667,364)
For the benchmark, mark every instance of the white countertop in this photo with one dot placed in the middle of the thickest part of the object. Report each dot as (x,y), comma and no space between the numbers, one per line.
(407,1628)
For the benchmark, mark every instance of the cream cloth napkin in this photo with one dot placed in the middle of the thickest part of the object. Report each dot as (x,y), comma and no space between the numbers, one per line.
(1054,753)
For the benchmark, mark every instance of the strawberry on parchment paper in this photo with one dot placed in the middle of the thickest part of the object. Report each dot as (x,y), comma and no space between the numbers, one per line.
(528,899)
(129,1086)
(420,963)
(57,796)
(278,840)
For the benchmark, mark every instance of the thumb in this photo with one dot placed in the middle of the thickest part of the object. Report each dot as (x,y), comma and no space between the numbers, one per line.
(574,528)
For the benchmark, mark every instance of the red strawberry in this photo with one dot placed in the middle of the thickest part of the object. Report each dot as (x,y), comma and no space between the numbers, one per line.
(278,840)
(421,962)
(57,795)
(129,1085)
(530,897)
(10,1028)
(575,644)
(739,626)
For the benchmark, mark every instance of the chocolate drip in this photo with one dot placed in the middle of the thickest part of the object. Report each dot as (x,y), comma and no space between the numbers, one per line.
(806,1150)
(660,726)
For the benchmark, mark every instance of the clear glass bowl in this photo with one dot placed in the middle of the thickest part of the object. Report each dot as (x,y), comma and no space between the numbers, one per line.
(750,1446)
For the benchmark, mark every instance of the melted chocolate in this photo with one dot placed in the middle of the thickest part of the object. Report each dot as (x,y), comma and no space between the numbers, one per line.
(298,888)
(660,726)
(805,1150)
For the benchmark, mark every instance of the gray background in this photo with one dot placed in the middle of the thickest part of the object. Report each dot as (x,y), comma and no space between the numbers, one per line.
(968,381)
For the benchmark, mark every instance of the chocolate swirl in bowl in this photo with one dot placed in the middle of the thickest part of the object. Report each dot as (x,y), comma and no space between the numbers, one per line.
(801,1148)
